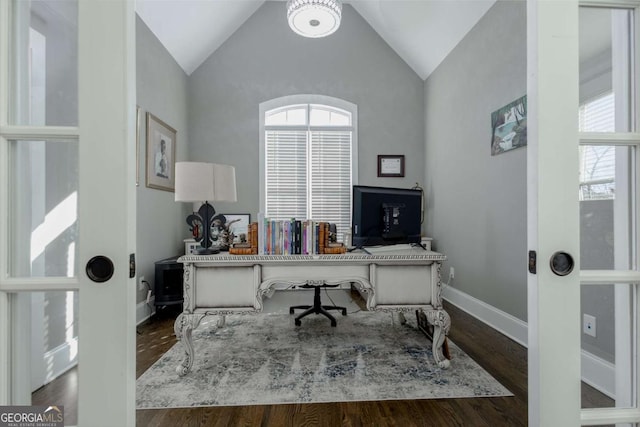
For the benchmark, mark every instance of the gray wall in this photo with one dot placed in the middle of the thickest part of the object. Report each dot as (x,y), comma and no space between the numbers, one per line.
(476,204)
(162,91)
(264,59)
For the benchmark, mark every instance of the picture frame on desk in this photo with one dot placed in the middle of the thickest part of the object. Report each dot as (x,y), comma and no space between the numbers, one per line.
(191,246)
(238,224)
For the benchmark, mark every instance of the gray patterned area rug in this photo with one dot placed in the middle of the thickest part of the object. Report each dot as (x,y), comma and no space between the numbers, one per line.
(265,359)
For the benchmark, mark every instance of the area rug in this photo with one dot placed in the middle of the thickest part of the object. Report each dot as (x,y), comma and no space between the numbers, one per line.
(266,359)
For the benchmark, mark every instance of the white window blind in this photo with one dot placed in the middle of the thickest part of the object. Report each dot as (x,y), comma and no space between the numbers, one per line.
(597,162)
(308,168)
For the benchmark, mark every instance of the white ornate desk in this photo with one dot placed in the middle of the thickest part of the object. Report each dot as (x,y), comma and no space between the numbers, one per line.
(392,281)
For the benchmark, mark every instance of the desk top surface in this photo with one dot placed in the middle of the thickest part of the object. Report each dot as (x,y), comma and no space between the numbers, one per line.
(392,254)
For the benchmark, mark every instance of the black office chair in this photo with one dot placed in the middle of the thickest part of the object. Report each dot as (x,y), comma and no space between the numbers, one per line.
(317,306)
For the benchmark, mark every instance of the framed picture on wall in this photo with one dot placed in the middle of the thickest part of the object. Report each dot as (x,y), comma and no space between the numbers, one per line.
(161,154)
(138,120)
(390,166)
(509,126)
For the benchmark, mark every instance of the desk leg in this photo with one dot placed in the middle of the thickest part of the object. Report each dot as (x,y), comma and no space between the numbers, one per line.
(436,323)
(184,325)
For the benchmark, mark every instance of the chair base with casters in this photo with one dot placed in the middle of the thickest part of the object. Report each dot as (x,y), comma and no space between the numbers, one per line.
(317,306)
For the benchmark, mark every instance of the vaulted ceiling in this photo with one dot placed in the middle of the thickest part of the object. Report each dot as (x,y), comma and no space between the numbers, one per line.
(422,32)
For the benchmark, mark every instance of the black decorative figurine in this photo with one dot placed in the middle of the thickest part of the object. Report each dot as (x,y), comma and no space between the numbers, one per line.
(200,226)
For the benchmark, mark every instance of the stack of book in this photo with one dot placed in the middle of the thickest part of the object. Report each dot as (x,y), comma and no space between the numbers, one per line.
(250,247)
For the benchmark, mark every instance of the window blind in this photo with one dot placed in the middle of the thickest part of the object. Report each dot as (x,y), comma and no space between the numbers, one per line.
(330,176)
(286,174)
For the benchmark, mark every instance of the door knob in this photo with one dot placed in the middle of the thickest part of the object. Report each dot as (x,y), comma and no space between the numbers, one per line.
(100,269)
(561,263)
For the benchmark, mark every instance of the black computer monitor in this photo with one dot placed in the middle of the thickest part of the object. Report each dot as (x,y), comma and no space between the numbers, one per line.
(385,216)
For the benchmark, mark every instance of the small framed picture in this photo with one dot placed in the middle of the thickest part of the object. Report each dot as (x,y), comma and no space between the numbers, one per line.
(238,224)
(390,166)
(161,154)
(191,246)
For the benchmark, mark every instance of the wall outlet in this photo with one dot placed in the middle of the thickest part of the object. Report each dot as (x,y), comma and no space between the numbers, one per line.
(141,285)
(452,273)
(589,325)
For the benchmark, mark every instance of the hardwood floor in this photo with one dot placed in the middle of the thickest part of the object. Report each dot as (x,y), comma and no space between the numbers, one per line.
(500,356)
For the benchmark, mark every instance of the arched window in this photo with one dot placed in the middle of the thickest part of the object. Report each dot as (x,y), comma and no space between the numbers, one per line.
(308,155)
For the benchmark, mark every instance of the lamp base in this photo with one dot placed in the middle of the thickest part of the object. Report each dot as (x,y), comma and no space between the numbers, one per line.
(208,251)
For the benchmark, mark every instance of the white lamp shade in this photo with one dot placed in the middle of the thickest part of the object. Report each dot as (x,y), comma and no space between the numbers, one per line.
(198,182)
(224,178)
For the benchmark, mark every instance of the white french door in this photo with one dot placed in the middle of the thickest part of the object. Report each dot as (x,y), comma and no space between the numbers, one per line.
(567,272)
(67,196)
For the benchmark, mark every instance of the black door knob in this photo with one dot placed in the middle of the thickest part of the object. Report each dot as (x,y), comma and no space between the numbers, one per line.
(561,263)
(100,269)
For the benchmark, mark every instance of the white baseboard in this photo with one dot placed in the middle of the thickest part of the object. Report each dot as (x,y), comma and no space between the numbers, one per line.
(144,310)
(596,372)
(60,360)
(502,322)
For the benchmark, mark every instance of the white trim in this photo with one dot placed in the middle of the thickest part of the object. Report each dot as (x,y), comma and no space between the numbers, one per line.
(144,311)
(617,416)
(609,138)
(5,349)
(599,277)
(596,372)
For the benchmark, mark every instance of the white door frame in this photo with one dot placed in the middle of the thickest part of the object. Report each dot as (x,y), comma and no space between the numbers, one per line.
(553,225)
(106,210)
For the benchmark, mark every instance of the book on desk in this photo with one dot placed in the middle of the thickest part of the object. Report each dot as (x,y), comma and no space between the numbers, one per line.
(290,237)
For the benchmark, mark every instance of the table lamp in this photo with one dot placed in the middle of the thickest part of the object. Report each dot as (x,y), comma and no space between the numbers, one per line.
(204,183)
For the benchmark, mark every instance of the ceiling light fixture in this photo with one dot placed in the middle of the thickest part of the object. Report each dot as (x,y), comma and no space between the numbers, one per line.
(314,18)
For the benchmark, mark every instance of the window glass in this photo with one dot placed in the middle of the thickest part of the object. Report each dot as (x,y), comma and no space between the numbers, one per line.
(323,115)
(289,116)
(605,68)
(43,208)
(44,73)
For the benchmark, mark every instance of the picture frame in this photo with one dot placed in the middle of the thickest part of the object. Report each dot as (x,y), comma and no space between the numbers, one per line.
(238,224)
(161,154)
(509,127)
(191,247)
(390,166)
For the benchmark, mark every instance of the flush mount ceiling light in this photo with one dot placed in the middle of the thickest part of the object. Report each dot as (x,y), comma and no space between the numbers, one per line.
(314,18)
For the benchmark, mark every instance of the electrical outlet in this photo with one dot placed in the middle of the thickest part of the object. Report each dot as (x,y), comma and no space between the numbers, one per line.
(141,283)
(452,273)
(589,325)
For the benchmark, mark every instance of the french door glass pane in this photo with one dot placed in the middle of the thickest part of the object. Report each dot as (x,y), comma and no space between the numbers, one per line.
(43,208)
(606,207)
(44,67)
(608,340)
(605,76)
(46,354)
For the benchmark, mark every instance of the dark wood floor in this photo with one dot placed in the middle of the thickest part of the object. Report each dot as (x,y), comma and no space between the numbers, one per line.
(498,355)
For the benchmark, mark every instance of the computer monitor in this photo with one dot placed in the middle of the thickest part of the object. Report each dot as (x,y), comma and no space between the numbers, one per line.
(385,216)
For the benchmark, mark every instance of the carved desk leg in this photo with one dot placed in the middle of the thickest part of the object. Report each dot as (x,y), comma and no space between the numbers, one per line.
(184,325)
(436,324)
